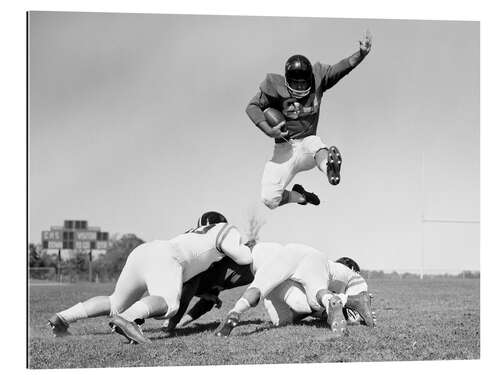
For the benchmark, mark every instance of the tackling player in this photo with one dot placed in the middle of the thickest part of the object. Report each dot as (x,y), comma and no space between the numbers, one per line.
(287,303)
(222,275)
(272,265)
(158,268)
(297,95)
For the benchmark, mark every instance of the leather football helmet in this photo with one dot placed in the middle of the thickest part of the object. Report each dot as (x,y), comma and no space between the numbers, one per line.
(298,76)
(211,217)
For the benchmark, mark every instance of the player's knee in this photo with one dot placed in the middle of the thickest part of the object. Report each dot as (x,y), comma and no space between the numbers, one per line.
(252,295)
(321,153)
(271,201)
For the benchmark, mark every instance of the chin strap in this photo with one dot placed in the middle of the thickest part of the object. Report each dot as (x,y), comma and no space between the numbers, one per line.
(298,94)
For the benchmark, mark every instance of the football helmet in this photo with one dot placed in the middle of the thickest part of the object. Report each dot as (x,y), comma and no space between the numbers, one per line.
(348,262)
(298,76)
(211,217)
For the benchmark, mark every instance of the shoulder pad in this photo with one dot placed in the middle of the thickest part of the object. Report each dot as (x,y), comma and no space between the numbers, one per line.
(274,86)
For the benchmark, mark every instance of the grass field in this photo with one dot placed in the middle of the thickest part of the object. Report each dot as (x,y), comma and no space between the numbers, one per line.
(416,320)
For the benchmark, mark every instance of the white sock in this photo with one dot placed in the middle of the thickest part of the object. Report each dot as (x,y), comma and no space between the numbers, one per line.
(325,299)
(321,162)
(138,310)
(241,306)
(322,166)
(74,313)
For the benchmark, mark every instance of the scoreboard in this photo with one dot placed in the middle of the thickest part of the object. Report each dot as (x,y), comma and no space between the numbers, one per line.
(75,235)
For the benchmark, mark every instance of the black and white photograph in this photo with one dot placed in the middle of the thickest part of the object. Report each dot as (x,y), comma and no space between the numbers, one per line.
(245,190)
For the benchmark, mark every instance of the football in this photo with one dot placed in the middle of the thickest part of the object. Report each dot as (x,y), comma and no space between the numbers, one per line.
(274,117)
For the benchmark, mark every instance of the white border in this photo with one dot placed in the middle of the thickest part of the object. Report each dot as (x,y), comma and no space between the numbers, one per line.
(14,145)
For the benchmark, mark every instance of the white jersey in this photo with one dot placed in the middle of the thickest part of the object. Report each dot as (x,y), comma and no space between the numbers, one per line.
(275,254)
(288,300)
(161,267)
(344,280)
(197,249)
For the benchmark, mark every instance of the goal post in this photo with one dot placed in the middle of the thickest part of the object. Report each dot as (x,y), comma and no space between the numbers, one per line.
(425,220)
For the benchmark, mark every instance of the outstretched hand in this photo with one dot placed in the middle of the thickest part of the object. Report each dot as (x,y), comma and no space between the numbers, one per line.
(365,45)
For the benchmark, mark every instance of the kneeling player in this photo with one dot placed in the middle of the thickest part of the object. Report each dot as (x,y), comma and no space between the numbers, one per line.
(287,303)
(158,268)
(272,265)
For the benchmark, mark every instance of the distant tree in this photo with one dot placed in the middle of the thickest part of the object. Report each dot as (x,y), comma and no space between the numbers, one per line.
(254,226)
(34,256)
(469,275)
(376,274)
(47,260)
(109,265)
(408,275)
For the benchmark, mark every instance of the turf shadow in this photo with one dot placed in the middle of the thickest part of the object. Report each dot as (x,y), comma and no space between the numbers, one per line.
(197,328)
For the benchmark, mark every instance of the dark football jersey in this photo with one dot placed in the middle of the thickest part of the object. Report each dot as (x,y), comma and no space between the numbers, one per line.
(301,115)
(222,275)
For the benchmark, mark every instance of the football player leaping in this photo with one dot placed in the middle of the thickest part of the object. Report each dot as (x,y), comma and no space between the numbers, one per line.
(158,268)
(273,264)
(287,303)
(297,95)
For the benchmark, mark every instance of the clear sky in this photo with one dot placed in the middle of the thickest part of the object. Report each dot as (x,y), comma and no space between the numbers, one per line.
(137,124)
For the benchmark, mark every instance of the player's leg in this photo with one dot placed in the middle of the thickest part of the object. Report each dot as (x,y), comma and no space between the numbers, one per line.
(93,307)
(287,303)
(128,289)
(312,273)
(163,279)
(266,279)
(278,172)
(359,305)
(189,289)
(125,323)
(304,150)
(329,161)
(273,192)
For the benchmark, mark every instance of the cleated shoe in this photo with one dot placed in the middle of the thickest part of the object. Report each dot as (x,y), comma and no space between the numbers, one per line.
(333,164)
(225,328)
(310,197)
(59,326)
(361,303)
(130,330)
(335,317)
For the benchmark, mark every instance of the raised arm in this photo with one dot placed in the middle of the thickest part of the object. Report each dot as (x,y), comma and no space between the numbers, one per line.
(334,73)
(365,46)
